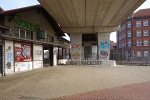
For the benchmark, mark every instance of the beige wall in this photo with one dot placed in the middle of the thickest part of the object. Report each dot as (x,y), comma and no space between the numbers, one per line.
(34,18)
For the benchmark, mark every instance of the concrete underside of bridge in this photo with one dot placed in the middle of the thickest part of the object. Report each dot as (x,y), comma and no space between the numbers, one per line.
(100,17)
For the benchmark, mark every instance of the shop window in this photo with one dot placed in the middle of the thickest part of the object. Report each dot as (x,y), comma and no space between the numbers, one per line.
(146,53)
(146,43)
(129,24)
(138,33)
(145,23)
(22,33)
(145,32)
(138,23)
(138,53)
(138,42)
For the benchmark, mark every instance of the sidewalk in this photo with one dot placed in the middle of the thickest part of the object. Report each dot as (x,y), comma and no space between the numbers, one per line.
(78,83)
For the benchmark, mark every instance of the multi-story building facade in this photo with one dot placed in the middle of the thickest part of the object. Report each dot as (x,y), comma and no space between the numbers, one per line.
(134,34)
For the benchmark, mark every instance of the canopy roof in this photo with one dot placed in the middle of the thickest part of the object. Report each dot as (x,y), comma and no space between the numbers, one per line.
(90,16)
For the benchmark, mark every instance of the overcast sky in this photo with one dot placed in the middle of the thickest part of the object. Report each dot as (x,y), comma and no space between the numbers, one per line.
(13,4)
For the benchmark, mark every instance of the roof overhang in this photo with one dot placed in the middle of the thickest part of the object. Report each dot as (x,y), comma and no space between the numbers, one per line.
(80,16)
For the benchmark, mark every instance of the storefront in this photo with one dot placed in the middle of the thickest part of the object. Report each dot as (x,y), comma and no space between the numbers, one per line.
(28,32)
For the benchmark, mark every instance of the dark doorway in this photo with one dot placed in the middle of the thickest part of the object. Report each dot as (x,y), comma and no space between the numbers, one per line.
(1,67)
(87,52)
(46,60)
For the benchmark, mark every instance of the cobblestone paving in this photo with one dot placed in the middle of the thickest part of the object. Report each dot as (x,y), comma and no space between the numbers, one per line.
(76,81)
(140,91)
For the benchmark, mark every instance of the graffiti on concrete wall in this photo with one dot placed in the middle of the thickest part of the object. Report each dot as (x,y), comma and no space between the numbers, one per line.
(37,53)
(88,62)
(9,57)
(104,50)
(25,24)
(22,52)
(75,51)
(83,63)
(23,66)
(38,64)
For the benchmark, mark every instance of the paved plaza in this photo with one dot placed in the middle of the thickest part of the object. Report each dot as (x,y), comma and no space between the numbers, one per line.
(78,83)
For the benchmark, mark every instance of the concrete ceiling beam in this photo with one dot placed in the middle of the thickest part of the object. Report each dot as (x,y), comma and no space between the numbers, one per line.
(87,30)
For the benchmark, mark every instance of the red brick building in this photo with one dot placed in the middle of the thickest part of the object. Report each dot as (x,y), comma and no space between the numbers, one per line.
(134,34)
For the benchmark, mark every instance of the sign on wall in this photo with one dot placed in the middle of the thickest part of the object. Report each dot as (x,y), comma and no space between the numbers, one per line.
(22,52)
(37,52)
(9,56)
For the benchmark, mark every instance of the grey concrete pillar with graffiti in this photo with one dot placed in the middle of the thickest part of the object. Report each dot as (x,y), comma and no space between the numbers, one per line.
(103,46)
(76,46)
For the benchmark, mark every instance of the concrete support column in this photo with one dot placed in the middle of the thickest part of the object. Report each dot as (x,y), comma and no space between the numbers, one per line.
(103,46)
(76,46)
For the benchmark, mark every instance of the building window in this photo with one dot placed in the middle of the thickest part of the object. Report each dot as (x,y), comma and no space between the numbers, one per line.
(138,23)
(138,33)
(145,23)
(129,42)
(146,53)
(138,42)
(146,43)
(145,32)
(138,53)
(22,33)
(129,33)
(124,44)
(129,24)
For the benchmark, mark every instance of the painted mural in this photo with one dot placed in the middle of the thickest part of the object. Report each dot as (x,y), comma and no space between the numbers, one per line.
(22,66)
(76,51)
(37,52)
(38,64)
(9,57)
(104,50)
(22,52)
(25,24)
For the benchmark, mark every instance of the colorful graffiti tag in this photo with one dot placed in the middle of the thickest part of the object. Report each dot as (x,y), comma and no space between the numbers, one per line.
(103,45)
(75,51)
(9,58)
(23,66)
(23,53)
(25,24)
(103,48)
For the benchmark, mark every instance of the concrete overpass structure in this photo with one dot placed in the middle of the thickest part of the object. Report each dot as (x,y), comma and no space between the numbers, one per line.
(92,17)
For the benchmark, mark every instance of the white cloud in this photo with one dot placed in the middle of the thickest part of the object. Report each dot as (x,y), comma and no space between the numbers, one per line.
(20,3)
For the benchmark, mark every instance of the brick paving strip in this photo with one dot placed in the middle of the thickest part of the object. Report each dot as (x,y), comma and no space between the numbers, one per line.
(138,91)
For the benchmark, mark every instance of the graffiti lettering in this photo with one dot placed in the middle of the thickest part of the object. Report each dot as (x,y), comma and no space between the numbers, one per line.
(76,47)
(23,53)
(83,63)
(103,45)
(9,58)
(76,55)
(23,66)
(75,51)
(26,51)
(103,53)
(25,24)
